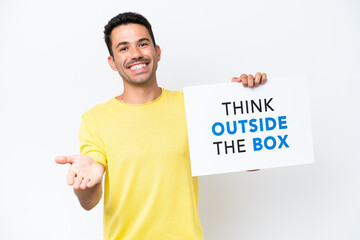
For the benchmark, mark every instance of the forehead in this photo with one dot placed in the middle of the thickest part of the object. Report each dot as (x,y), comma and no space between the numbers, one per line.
(129,33)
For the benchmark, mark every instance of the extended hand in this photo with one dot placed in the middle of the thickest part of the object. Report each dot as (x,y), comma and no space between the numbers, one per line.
(250,80)
(84,172)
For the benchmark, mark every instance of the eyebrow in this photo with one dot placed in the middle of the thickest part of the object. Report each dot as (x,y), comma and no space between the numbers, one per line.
(125,43)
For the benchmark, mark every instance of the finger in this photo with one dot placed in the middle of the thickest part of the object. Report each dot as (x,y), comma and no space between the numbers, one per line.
(65,159)
(250,81)
(244,79)
(61,159)
(263,78)
(257,79)
(236,79)
(92,183)
(70,177)
(84,183)
(78,181)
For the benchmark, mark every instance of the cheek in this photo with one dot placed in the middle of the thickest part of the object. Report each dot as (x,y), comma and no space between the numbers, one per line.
(120,62)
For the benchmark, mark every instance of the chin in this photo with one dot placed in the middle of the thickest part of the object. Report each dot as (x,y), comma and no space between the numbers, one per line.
(139,82)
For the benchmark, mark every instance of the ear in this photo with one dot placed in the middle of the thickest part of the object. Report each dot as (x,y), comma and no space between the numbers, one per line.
(158,53)
(112,63)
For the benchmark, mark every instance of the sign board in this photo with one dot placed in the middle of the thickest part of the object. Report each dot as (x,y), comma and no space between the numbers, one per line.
(232,128)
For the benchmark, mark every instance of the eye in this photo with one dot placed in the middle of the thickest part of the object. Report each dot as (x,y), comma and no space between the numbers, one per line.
(143,44)
(123,49)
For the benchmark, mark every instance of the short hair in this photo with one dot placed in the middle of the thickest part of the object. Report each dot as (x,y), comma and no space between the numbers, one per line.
(124,19)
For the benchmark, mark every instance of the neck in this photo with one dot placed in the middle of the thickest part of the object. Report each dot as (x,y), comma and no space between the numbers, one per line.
(134,94)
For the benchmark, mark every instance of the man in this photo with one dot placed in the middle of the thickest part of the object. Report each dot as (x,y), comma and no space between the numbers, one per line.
(139,139)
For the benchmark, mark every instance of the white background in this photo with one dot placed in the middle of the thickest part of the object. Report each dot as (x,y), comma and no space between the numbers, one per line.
(53,67)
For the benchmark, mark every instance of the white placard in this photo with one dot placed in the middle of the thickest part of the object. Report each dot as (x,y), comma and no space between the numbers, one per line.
(232,128)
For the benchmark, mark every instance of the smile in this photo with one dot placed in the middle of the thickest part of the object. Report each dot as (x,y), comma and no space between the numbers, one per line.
(137,66)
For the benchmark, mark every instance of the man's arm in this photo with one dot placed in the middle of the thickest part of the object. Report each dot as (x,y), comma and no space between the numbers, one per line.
(85,175)
(89,197)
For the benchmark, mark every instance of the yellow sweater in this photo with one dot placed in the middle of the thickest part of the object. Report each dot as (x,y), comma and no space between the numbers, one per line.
(149,191)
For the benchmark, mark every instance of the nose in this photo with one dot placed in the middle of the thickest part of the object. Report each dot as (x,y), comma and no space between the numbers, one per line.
(135,53)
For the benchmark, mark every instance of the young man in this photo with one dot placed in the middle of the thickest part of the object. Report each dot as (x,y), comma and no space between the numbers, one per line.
(139,139)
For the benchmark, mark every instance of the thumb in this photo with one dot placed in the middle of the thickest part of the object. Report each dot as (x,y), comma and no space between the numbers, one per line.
(236,79)
(64,159)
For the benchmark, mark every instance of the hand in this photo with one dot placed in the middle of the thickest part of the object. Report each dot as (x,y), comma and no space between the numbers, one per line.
(84,172)
(250,81)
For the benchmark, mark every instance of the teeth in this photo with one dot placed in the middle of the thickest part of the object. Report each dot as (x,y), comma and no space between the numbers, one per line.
(136,67)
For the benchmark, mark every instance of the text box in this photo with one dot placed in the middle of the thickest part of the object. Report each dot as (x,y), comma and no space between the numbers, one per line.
(232,128)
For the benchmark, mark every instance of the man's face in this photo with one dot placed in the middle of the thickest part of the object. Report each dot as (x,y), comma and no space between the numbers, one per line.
(135,57)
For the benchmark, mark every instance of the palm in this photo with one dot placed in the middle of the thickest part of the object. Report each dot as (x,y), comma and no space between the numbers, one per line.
(84,171)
